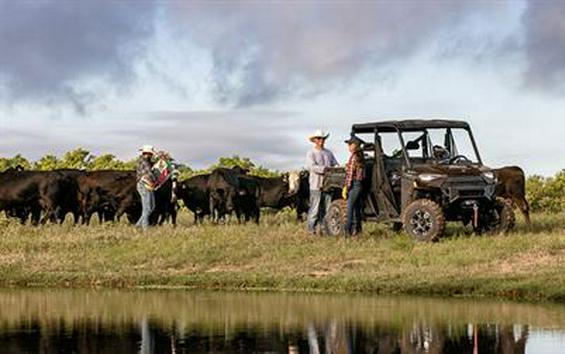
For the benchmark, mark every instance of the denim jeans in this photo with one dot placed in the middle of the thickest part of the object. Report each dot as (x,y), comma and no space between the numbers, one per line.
(319,204)
(354,208)
(147,205)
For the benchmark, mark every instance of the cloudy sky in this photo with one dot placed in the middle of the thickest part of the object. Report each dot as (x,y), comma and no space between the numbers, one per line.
(210,79)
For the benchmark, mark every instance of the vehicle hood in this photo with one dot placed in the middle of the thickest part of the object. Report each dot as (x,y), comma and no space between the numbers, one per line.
(451,170)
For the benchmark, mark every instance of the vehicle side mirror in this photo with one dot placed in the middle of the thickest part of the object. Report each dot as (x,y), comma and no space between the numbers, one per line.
(412,145)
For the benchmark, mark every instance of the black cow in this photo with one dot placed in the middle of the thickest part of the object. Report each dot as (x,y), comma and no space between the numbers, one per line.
(165,204)
(302,198)
(247,202)
(52,192)
(71,202)
(297,193)
(195,196)
(107,190)
(223,187)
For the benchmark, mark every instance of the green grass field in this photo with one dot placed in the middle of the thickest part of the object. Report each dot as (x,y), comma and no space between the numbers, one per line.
(527,264)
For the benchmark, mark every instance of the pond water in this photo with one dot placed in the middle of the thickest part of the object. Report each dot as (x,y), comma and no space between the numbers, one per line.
(102,321)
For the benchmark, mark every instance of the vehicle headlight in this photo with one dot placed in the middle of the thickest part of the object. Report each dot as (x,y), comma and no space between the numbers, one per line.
(428,177)
(489,175)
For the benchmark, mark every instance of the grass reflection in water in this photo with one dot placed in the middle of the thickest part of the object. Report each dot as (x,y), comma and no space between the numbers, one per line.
(180,321)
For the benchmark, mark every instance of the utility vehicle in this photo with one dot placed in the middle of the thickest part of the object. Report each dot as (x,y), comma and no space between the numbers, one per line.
(419,174)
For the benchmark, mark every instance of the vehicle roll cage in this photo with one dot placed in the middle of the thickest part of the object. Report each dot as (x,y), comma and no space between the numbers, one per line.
(417,125)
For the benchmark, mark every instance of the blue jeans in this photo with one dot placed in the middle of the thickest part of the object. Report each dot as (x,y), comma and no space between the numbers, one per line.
(147,205)
(354,208)
(319,204)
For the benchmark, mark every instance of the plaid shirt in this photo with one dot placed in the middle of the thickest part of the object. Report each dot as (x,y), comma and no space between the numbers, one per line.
(354,170)
(144,171)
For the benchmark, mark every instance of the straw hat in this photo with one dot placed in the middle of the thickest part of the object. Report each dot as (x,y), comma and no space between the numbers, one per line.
(147,149)
(318,134)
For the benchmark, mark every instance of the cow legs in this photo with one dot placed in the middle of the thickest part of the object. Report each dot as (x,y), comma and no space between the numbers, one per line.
(76,217)
(50,212)
(35,216)
(257,214)
(212,210)
(524,207)
(100,214)
(174,215)
(199,217)
(121,211)
(49,215)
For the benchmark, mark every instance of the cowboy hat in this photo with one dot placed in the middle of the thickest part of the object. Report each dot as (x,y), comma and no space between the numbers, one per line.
(147,149)
(318,134)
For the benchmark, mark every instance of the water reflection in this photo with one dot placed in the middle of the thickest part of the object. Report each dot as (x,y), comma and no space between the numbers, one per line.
(201,322)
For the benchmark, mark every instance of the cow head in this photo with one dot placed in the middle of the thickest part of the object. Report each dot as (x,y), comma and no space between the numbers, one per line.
(293,179)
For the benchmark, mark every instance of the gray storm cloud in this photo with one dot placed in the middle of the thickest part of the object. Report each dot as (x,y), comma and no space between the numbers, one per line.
(202,137)
(545,45)
(51,48)
(273,49)
(57,52)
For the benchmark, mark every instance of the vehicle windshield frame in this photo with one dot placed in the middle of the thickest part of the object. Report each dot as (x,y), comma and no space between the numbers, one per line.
(425,131)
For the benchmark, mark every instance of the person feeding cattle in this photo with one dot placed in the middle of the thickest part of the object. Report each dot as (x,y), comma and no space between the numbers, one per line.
(146,184)
(149,178)
(318,159)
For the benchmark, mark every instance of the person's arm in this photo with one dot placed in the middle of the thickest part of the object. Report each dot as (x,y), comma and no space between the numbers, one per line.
(312,166)
(333,160)
(146,172)
(349,170)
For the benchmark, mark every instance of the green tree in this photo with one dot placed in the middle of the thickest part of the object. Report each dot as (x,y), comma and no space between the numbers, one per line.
(106,162)
(233,161)
(244,162)
(546,194)
(77,159)
(264,172)
(47,163)
(184,172)
(14,162)
(131,164)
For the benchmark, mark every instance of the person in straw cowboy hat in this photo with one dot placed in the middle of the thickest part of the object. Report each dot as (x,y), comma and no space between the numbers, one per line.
(318,159)
(146,184)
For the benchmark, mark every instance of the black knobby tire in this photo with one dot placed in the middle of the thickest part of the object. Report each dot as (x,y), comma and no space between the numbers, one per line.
(336,217)
(423,219)
(502,218)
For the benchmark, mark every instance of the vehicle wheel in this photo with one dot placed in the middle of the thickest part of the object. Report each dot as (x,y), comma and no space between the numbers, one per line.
(423,219)
(337,217)
(501,219)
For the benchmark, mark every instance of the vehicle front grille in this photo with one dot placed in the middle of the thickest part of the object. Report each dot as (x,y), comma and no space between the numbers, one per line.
(467,187)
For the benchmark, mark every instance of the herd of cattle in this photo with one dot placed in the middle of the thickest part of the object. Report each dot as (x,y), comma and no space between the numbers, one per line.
(48,196)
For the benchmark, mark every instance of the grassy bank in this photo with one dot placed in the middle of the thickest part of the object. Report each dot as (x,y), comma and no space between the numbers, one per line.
(527,264)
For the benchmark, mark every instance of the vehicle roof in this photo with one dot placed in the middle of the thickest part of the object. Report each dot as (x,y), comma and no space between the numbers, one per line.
(408,125)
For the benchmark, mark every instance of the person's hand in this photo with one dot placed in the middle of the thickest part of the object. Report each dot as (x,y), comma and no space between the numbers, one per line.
(344,192)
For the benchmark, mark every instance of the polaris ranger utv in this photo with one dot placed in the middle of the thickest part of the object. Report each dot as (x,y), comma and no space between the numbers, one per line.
(419,175)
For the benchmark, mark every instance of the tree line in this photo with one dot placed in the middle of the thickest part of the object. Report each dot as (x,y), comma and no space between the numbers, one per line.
(546,193)
(83,159)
